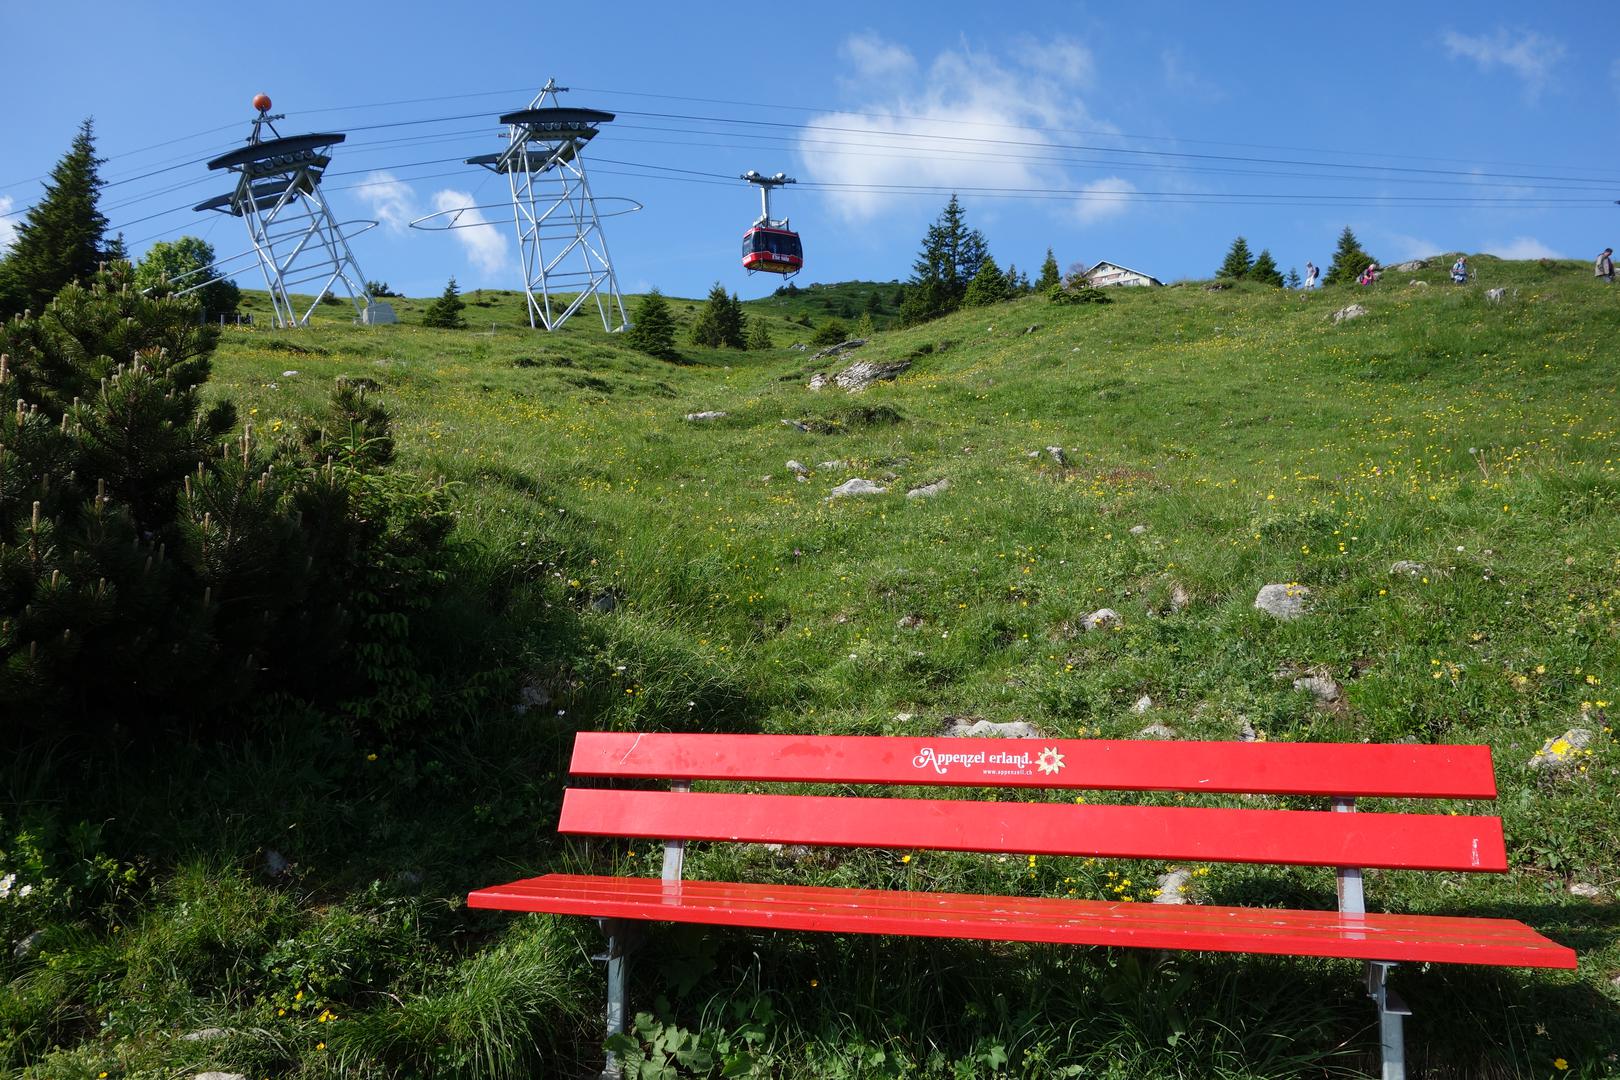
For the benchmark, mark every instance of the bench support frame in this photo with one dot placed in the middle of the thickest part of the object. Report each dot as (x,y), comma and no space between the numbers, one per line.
(1392,1011)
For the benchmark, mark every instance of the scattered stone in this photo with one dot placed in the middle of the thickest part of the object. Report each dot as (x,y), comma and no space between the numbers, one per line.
(1285,602)
(859,376)
(1156,731)
(1495,296)
(708,415)
(413,878)
(29,946)
(1140,530)
(1172,887)
(819,380)
(205,1035)
(799,346)
(603,603)
(1217,286)
(910,622)
(1143,704)
(828,466)
(1410,266)
(1032,453)
(1032,328)
(1102,619)
(841,347)
(798,468)
(857,486)
(928,491)
(904,717)
(1586,891)
(1246,733)
(1558,754)
(275,863)
(1322,687)
(1354,311)
(1057,455)
(798,425)
(962,727)
(1419,284)
(288,374)
(219,1076)
(1408,567)
(534,695)
(1180,598)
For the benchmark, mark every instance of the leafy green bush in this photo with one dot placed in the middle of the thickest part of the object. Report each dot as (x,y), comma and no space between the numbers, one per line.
(1079,294)
(832,332)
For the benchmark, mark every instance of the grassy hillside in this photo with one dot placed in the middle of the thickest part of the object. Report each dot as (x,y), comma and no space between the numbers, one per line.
(674,574)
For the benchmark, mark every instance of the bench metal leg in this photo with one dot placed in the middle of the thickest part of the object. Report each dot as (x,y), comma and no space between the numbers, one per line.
(620,935)
(1392,1012)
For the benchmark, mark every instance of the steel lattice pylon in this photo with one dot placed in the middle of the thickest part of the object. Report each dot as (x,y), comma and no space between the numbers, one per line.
(294,236)
(562,247)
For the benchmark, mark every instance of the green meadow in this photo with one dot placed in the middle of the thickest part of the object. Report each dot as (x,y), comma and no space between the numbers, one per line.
(297,897)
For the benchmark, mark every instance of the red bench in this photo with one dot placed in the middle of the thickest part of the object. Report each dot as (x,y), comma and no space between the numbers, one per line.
(1339,838)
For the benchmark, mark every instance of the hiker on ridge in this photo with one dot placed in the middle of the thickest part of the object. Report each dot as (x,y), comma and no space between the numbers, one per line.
(1459,270)
(1604,268)
(1311,273)
(1369,275)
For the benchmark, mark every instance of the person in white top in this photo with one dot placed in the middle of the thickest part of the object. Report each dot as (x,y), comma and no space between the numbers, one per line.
(1604,267)
(1311,273)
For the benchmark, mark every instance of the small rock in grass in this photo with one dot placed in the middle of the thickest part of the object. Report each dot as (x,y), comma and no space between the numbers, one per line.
(275,863)
(1560,753)
(288,374)
(962,727)
(1354,311)
(209,1034)
(829,466)
(1156,731)
(1586,891)
(909,622)
(706,415)
(798,467)
(1495,296)
(1180,598)
(1246,733)
(859,376)
(857,486)
(1408,568)
(1410,266)
(1418,284)
(534,695)
(1057,455)
(603,603)
(1172,887)
(1322,687)
(928,491)
(1285,602)
(1102,619)
(797,425)
(219,1076)
(1143,704)
(819,380)
(29,946)
(904,717)
(1140,530)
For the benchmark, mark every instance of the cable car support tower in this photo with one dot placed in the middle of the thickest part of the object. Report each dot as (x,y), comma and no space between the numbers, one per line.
(294,236)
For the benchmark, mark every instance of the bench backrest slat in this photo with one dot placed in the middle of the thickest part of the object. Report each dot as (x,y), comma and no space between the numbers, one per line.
(1294,837)
(1333,769)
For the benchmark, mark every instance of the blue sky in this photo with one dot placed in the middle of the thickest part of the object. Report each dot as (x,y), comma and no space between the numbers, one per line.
(1144,134)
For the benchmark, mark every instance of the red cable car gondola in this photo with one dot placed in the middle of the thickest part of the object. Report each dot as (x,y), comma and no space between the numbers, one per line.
(771,247)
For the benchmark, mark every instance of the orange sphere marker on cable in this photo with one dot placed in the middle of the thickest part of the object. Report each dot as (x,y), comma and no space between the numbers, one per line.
(261,102)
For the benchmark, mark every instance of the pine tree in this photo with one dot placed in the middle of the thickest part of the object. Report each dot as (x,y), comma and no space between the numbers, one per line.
(445,312)
(1011,279)
(1265,270)
(653,329)
(1238,260)
(173,266)
(59,239)
(874,303)
(759,337)
(1349,260)
(1051,277)
(721,323)
(950,258)
(989,285)
(832,332)
(1294,280)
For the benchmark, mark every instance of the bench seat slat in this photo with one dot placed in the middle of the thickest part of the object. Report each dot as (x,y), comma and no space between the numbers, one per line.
(1331,769)
(1399,938)
(1292,837)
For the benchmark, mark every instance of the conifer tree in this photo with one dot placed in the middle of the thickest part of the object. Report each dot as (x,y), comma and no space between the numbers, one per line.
(1294,280)
(721,323)
(989,285)
(59,239)
(950,258)
(652,331)
(1051,277)
(1265,270)
(759,336)
(445,312)
(1349,260)
(874,303)
(1238,261)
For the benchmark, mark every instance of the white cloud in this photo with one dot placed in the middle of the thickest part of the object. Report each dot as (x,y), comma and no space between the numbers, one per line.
(1522,247)
(1103,199)
(483,241)
(390,198)
(1403,248)
(1530,56)
(8,225)
(918,125)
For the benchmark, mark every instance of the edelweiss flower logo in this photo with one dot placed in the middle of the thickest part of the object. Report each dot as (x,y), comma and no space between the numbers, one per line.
(1050,761)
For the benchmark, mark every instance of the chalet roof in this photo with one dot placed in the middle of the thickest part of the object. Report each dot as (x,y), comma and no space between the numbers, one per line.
(1122,266)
